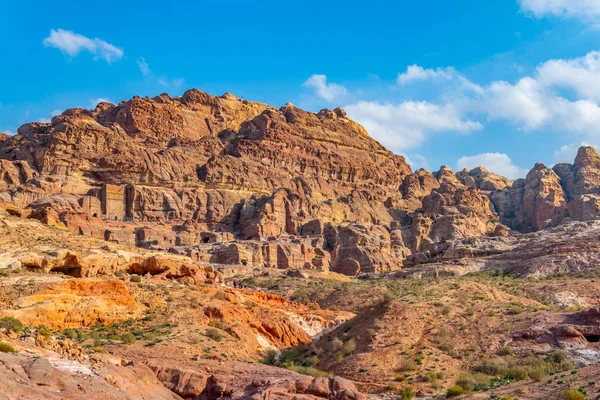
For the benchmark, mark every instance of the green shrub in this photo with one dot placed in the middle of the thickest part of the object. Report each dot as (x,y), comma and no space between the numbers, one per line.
(507,351)
(407,393)
(310,371)
(572,394)
(270,356)
(214,334)
(7,348)
(42,330)
(99,350)
(349,347)
(516,373)
(128,338)
(135,278)
(12,324)
(469,382)
(454,391)
(70,333)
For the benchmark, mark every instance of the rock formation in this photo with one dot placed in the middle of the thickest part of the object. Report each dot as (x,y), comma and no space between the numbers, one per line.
(230,181)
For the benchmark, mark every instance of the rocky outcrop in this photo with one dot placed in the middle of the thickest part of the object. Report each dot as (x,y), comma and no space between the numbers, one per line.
(76,304)
(483,179)
(548,197)
(360,249)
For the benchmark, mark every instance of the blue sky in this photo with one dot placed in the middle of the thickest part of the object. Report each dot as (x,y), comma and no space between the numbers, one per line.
(502,83)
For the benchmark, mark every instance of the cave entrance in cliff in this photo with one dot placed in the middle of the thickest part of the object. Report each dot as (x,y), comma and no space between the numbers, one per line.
(70,266)
(592,338)
(75,272)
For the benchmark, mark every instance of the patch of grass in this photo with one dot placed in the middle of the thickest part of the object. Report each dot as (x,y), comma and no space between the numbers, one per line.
(307,370)
(572,394)
(408,365)
(42,330)
(270,356)
(214,334)
(7,348)
(12,324)
(128,338)
(454,391)
(407,393)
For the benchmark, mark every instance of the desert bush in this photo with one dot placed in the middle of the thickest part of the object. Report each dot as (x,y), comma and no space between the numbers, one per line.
(407,393)
(408,365)
(336,344)
(515,310)
(270,356)
(557,356)
(454,391)
(42,330)
(70,333)
(572,394)
(516,373)
(506,351)
(469,382)
(98,350)
(214,334)
(310,371)
(12,324)
(388,297)
(348,347)
(135,278)
(7,348)
(128,338)
(220,296)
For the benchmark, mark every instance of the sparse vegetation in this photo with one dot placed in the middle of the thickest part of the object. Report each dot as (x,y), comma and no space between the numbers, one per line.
(454,391)
(12,324)
(572,394)
(7,348)
(214,334)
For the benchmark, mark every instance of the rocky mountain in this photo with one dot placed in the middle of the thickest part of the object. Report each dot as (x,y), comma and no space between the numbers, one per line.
(231,181)
(169,248)
(290,187)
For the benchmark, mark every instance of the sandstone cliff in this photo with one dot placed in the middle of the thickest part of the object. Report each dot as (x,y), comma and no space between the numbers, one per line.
(231,181)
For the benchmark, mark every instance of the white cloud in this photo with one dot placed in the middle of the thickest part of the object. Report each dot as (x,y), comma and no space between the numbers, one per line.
(9,133)
(536,101)
(327,91)
(73,43)
(498,163)
(587,10)
(56,112)
(141,62)
(581,75)
(44,120)
(407,125)
(417,73)
(568,152)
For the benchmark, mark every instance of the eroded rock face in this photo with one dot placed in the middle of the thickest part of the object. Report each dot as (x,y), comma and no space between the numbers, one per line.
(483,179)
(547,197)
(76,304)
(178,173)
